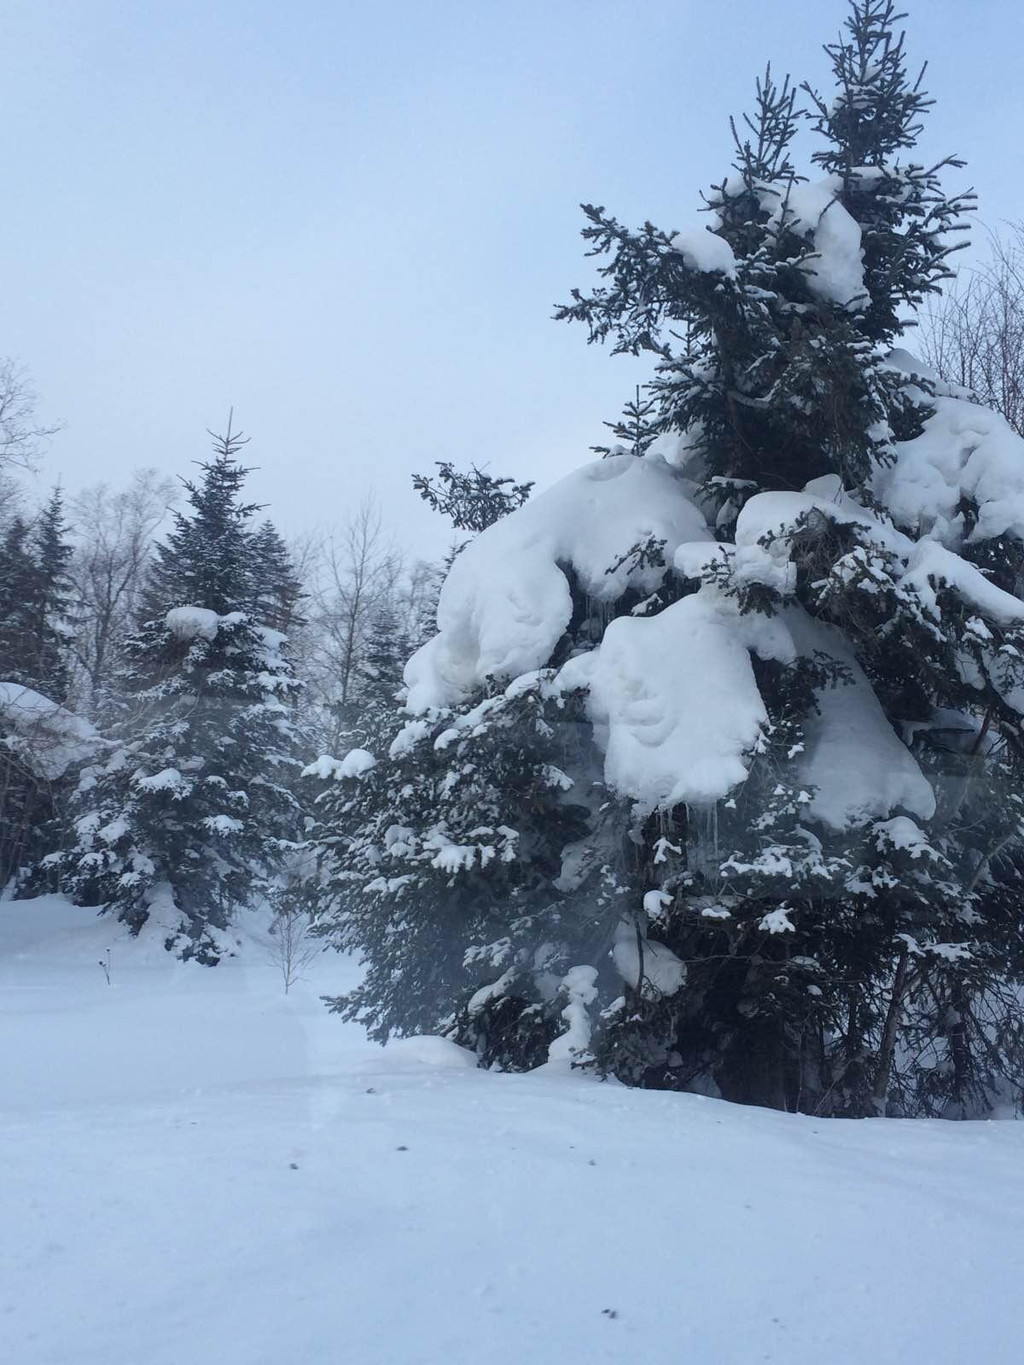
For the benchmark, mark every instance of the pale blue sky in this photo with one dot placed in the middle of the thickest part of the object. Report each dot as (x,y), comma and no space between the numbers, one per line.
(351,220)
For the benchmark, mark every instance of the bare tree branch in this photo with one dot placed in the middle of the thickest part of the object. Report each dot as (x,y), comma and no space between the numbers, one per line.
(975,336)
(22,437)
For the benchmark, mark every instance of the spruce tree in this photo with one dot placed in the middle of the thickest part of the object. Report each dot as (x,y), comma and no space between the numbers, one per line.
(446,829)
(277,591)
(776,857)
(41,743)
(785,381)
(35,601)
(207,559)
(18,576)
(189,816)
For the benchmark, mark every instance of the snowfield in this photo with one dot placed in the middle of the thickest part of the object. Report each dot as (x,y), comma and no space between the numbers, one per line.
(199,1170)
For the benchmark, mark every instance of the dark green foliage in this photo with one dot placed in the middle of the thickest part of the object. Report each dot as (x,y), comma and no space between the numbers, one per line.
(277,589)
(35,630)
(443,865)
(909,225)
(207,559)
(471,501)
(191,812)
(35,601)
(759,947)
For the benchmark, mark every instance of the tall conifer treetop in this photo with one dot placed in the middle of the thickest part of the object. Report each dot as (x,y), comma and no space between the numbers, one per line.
(205,561)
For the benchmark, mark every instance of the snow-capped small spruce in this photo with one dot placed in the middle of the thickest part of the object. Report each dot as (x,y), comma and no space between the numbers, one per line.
(192,808)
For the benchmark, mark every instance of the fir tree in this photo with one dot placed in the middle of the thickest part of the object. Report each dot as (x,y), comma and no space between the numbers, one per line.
(278,590)
(18,576)
(208,560)
(52,599)
(192,811)
(781,384)
(719,892)
(35,601)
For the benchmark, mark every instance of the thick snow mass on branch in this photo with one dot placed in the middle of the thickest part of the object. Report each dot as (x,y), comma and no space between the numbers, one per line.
(506,601)
(931,565)
(778,514)
(673,699)
(46,736)
(191,623)
(677,713)
(328,769)
(764,535)
(855,759)
(704,250)
(658,972)
(965,453)
(813,211)
(924,565)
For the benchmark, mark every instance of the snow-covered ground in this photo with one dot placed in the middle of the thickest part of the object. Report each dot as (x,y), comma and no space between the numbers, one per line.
(198,1170)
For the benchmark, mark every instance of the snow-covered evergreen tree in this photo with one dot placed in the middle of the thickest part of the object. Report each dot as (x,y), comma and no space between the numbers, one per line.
(278,590)
(207,558)
(35,601)
(192,808)
(39,739)
(787,383)
(778,860)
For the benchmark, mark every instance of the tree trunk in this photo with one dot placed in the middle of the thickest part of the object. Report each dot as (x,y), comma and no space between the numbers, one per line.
(888,1045)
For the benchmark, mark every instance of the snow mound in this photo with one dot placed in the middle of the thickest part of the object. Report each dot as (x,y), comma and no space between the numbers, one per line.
(506,601)
(578,985)
(432,1051)
(673,699)
(46,736)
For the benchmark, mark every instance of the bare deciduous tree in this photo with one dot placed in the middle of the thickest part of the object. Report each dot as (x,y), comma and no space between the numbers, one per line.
(22,436)
(292,944)
(351,574)
(115,530)
(975,336)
